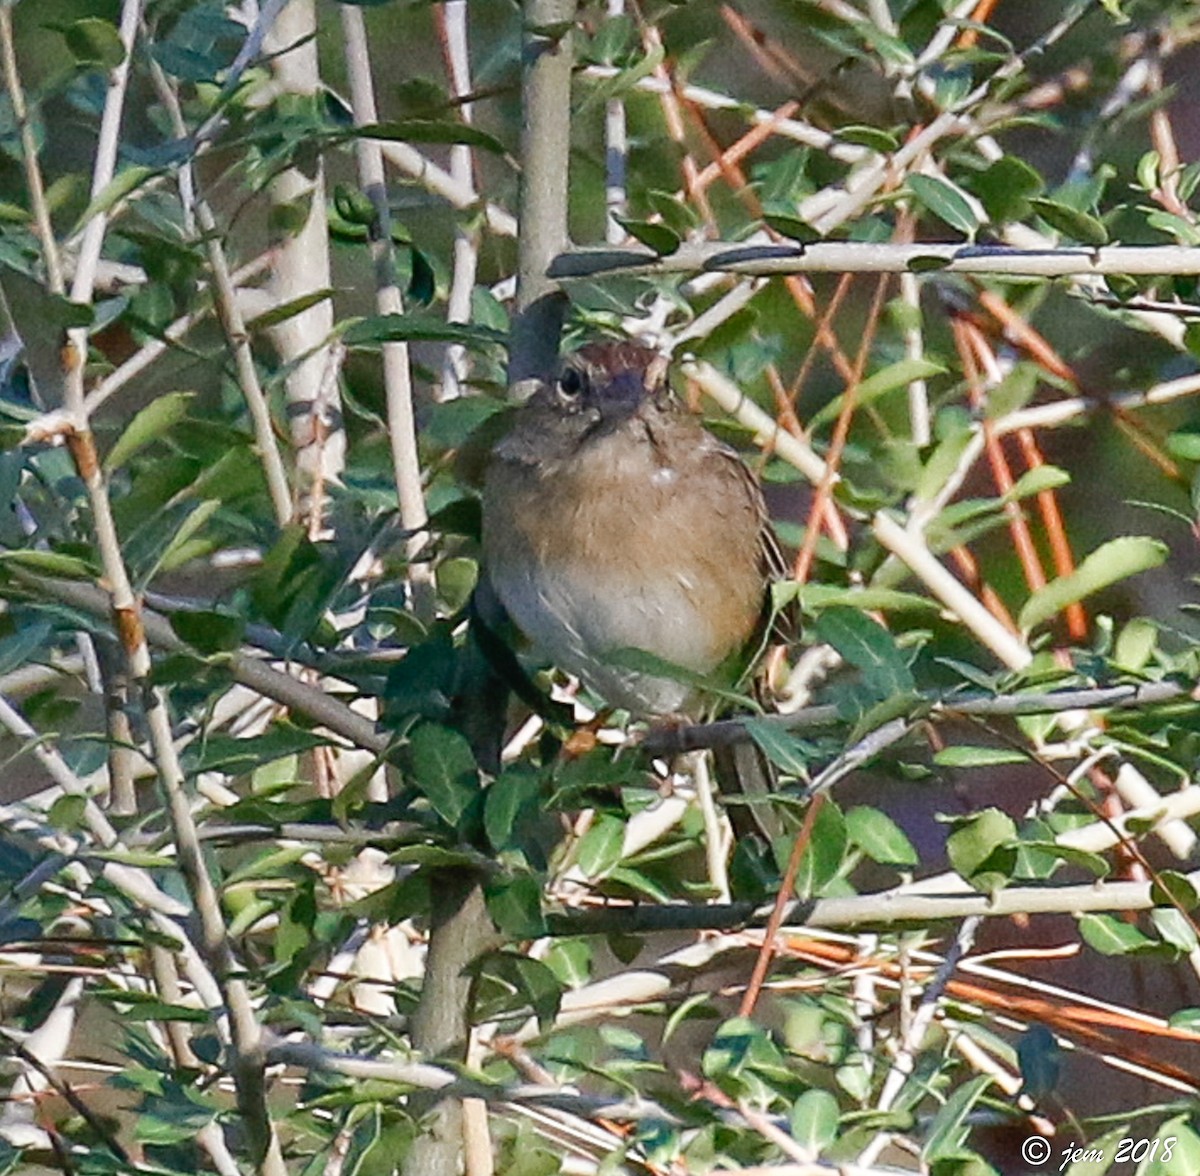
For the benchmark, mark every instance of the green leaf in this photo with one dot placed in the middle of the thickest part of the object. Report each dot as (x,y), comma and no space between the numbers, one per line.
(781,747)
(237,756)
(1181,1157)
(961,756)
(791,227)
(1005,187)
(654,235)
(815,597)
(1112,936)
(1071,222)
(67,811)
(280,314)
(601,847)
(158,417)
(867,645)
(1184,444)
(944,201)
(1037,481)
(814,1120)
(1171,888)
(424,130)
(1116,560)
(896,375)
(388,328)
(444,769)
(879,837)
(872,138)
(948,1130)
(982,850)
(127,180)
(514,795)
(183,544)
(824,854)
(515,905)
(50,563)
(208,632)
(1174,928)
(93,41)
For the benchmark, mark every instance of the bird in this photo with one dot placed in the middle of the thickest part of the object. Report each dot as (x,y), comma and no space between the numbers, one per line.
(613,521)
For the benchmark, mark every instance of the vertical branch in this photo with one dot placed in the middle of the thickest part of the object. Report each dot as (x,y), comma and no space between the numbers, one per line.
(302,267)
(616,152)
(460,928)
(453,30)
(29,155)
(247,1065)
(545,151)
(402,429)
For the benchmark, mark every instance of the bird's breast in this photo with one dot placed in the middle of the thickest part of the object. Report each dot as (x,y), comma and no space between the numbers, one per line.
(621,549)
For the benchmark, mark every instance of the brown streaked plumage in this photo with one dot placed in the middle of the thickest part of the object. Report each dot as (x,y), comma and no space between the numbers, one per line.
(612,520)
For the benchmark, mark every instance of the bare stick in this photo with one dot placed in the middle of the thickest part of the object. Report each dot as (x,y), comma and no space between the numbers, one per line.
(545,150)
(247,374)
(29,155)
(402,432)
(860,257)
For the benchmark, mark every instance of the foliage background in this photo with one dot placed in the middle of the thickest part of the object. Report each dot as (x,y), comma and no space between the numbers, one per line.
(257,898)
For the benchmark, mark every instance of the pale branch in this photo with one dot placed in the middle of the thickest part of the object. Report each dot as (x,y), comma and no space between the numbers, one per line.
(397,374)
(668,741)
(124,375)
(912,550)
(880,911)
(545,152)
(864,257)
(29,156)
(314,704)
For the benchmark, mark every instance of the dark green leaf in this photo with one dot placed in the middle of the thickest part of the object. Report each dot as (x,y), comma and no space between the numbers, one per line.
(1005,187)
(443,768)
(1171,888)
(1079,226)
(600,848)
(423,130)
(208,632)
(823,856)
(944,201)
(948,1130)
(663,240)
(867,645)
(791,227)
(390,328)
(422,285)
(515,906)
(280,314)
(514,795)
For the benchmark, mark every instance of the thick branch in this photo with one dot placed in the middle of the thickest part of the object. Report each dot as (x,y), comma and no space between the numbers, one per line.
(858,257)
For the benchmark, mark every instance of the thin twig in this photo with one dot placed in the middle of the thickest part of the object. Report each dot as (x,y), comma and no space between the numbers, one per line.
(402,435)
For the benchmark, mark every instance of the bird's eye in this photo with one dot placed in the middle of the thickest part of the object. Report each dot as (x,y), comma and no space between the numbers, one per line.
(571,384)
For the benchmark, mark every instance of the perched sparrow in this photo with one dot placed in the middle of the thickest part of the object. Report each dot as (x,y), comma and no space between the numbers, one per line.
(613,521)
